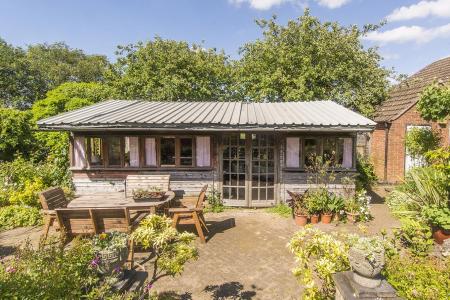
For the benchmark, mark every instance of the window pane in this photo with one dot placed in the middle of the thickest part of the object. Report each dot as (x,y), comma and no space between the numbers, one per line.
(311,146)
(186,151)
(96,151)
(131,151)
(340,151)
(167,151)
(114,151)
(329,150)
(150,151)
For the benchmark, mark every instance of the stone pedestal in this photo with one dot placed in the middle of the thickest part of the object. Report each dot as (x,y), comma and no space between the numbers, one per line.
(348,289)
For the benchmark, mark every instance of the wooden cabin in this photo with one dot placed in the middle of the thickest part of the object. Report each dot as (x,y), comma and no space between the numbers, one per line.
(250,152)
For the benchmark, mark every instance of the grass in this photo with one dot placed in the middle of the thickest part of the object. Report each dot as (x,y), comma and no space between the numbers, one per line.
(280,209)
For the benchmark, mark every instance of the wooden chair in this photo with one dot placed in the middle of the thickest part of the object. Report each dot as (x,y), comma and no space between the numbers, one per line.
(51,199)
(192,215)
(90,221)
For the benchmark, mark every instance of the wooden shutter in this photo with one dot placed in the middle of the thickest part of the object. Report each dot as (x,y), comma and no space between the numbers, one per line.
(347,161)
(150,151)
(79,151)
(203,151)
(293,152)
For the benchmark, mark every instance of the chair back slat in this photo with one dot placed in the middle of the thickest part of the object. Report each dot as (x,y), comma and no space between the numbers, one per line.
(133,182)
(53,198)
(201,197)
(75,221)
(111,219)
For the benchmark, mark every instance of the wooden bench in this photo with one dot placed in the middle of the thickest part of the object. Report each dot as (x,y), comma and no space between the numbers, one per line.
(134,182)
(51,199)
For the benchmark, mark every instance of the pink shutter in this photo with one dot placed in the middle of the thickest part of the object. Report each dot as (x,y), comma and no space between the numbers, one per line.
(203,149)
(134,151)
(79,151)
(293,152)
(347,161)
(150,152)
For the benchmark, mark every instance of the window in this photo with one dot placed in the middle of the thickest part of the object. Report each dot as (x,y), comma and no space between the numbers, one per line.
(95,151)
(311,148)
(329,150)
(79,152)
(186,151)
(293,153)
(167,150)
(203,149)
(114,151)
(131,155)
(150,152)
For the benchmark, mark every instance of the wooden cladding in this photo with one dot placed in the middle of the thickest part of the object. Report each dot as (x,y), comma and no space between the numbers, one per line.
(141,151)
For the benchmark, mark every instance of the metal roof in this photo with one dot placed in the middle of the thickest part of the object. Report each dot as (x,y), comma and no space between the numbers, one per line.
(134,114)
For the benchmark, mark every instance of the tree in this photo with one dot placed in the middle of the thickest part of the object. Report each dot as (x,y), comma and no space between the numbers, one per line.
(309,60)
(15,133)
(19,83)
(421,140)
(170,70)
(434,102)
(58,63)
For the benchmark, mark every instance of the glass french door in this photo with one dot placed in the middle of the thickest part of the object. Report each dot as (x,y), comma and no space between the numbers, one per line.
(248,170)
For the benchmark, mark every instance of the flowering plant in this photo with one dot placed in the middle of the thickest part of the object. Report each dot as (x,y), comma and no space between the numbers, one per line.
(370,246)
(110,241)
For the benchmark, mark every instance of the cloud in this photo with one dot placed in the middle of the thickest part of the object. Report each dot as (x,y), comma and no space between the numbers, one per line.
(406,34)
(332,3)
(423,9)
(267,4)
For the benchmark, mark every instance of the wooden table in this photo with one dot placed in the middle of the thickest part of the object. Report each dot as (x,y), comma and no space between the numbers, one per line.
(118,200)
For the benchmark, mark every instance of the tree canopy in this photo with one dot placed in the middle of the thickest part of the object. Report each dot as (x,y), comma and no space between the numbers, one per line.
(15,133)
(434,102)
(309,60)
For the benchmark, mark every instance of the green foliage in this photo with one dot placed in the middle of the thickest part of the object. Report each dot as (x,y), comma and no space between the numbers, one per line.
(282,210)
(370,246)
(19,216)
(414,235)
(421,140)
(426,278)
(307,60)
(366,174)
(50,272)
(318,256)
(215,203)
(170,70)
(434,102)
(336,203)
(439,159)
(315,200)
(172,249)
(15,133)
(422,187)
(110,241)
(437,216)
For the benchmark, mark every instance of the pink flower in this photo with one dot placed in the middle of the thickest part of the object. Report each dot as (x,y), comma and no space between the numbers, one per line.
(94,263)
(148,287)
(10,269)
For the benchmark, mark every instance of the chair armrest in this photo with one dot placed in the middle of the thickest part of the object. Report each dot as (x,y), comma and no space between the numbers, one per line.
(188,201)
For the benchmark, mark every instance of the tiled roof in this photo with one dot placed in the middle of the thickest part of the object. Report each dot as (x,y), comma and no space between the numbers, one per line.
(133,114)
(405,95)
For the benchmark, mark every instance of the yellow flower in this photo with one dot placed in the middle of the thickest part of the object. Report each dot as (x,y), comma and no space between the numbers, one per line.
(102,236)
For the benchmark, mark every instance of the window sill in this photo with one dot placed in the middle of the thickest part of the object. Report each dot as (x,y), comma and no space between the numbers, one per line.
(127,169)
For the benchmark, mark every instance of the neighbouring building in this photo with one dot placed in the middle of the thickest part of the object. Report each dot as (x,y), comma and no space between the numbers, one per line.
(397,115)
(251,152)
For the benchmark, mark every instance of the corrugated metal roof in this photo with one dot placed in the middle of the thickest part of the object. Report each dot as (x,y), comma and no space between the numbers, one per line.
(134,114)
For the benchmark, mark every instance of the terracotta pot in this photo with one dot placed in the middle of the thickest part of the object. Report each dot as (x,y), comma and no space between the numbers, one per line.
(352,217)
(440,235)
(326,218)
(314,219)
(301,220)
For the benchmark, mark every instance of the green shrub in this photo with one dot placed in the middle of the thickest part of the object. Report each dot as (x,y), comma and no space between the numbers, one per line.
(282,210)
(414,235)
(215,203)
(29,194)
(421,140)
(419,277)
(437,216)
(18,216)
(366,174)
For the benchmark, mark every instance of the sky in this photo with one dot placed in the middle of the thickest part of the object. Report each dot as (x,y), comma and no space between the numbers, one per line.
(416,34)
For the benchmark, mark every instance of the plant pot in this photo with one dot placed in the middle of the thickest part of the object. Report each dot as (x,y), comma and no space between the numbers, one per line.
(326,218)
(440,235)
(352,217)
(366,272)
(111,259)
(301,220)
(314,219)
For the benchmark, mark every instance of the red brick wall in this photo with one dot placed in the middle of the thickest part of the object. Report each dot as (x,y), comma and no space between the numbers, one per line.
(396,145)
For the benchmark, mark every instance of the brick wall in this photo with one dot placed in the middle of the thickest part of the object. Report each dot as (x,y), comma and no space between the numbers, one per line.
(396,144)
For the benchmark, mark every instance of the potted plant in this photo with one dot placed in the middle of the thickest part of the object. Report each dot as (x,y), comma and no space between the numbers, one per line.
(366,257)
(299,209)
(336,205)
(325,206)
(352,207)
(313,205)
(111,251)
(439,219)
(152,194)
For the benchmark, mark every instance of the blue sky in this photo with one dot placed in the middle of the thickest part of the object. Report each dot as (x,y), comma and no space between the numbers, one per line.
(417,33)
